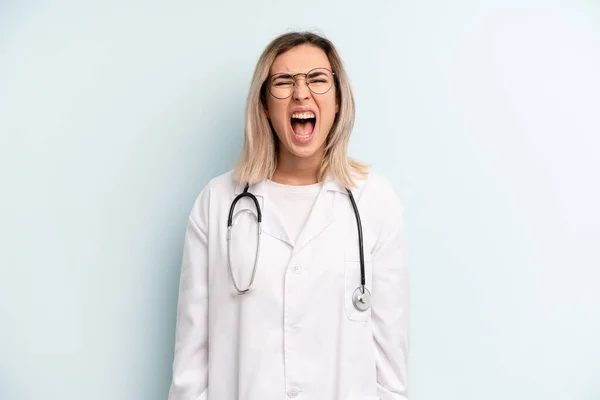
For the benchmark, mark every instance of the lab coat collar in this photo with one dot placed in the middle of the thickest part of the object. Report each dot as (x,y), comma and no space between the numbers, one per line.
(323,211)
(320,218)
(258,189)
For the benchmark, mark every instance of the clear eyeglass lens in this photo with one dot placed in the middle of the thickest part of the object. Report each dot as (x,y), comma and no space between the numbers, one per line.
(318,80)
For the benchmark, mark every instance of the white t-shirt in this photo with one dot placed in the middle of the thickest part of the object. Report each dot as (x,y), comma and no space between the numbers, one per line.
(293,204)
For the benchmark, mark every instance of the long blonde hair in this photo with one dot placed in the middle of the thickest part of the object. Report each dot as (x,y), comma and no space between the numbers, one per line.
(258,160)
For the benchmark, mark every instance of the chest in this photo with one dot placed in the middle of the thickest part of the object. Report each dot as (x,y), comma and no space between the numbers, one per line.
(322,260)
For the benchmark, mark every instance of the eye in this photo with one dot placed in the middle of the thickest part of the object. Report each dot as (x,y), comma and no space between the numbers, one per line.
(282,80)
(282,83)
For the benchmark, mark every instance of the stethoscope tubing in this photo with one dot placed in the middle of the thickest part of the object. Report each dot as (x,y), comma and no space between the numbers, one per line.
(360,240)
(360,298)
(230,223)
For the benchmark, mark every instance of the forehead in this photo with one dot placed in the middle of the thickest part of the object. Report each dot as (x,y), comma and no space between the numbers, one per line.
(300,59)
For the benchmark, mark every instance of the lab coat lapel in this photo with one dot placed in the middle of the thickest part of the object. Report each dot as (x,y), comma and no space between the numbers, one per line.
(321,215)
(271,220)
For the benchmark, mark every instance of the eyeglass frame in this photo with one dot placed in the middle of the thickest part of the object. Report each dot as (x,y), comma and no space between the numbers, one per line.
(293,76)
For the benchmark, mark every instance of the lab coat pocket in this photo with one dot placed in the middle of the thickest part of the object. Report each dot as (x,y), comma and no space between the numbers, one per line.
(352,282)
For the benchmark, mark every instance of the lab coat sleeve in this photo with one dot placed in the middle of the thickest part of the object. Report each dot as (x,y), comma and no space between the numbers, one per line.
(190,363)
(390,305)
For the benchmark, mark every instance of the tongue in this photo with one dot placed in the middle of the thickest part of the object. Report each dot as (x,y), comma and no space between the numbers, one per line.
(302,128)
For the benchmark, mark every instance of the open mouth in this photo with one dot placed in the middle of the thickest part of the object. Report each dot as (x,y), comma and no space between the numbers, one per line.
(303,125)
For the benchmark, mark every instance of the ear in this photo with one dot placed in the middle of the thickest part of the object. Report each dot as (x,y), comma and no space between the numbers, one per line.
(337,107)
(266,111)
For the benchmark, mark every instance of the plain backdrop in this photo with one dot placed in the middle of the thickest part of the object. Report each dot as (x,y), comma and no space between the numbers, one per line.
(485,115)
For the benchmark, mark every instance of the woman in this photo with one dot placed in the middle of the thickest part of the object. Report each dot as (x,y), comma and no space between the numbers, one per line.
(303,324)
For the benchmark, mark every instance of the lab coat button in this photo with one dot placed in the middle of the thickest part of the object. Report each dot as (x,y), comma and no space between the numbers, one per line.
(293,393)
(296,269)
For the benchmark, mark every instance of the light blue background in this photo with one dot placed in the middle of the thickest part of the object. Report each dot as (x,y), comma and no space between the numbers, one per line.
(485,115)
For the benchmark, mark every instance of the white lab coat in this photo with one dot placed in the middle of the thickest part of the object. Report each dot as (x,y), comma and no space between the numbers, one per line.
(297,335)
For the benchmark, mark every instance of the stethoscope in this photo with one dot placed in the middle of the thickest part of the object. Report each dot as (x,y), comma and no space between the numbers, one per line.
(361,298)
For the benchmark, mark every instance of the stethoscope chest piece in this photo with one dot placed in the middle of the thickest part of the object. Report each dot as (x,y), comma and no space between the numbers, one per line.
(361,298)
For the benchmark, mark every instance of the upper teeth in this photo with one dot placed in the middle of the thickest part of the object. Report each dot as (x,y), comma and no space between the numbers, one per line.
(303,115)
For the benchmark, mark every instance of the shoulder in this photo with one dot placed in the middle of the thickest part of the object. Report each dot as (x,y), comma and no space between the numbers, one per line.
(219,185)
(217,188)
(377,182)
(378,188)
(223,183)
(380,201)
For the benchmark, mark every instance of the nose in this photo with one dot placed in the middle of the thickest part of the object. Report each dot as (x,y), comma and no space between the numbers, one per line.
(301,90)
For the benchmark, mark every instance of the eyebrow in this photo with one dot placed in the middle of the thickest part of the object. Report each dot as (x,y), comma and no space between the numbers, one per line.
(316,73)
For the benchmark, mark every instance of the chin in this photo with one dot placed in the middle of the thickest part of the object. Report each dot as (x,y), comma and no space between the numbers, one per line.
(306,151)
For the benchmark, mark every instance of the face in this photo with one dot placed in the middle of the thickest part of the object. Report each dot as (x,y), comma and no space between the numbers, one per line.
(302,134)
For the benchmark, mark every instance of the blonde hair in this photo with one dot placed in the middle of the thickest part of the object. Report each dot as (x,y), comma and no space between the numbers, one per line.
(258,160)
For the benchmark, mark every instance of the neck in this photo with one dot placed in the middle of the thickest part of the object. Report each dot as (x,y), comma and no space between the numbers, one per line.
(293,170)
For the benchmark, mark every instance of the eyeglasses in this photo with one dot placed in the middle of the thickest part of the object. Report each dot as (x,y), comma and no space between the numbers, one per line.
(318,81)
